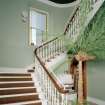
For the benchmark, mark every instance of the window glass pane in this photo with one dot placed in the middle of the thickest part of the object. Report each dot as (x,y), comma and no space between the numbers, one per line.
(38,20)
(39,36)
(34,36)
(37,26)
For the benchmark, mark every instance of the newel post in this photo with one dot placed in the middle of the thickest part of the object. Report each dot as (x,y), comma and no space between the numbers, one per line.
(82,78)
(82,83)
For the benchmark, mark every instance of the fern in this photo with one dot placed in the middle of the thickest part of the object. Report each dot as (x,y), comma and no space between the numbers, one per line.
(92,40)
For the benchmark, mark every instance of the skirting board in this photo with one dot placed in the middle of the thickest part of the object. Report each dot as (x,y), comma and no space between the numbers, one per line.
(15,70)
(12,70)
(95,100)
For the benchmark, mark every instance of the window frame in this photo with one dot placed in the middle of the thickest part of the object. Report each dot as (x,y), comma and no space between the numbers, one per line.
(29,27)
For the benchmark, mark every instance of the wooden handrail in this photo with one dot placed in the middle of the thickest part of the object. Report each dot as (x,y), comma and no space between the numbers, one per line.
(43,44)
(54,80)
(56,83)
(71,19)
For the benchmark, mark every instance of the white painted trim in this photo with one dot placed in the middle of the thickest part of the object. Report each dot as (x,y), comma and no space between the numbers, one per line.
(96,7)
(12,70)
(15,70)
(59,5)
(95,100)
(47,20)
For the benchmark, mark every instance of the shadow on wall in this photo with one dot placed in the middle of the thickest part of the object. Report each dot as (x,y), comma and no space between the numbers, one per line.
(96,78)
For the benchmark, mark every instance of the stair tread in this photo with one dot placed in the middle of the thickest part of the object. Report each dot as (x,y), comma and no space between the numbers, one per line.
(25,103)
(4,82)
(17,91)
(56,61)
(17,88)
(16,84)
(19,98)
(14,79)
(15,74)
(15,95)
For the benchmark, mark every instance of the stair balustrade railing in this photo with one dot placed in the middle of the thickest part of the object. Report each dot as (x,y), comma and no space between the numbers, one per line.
(54,91)
(79,18)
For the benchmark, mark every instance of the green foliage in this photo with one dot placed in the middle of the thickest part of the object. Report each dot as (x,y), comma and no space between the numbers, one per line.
(92,40)
(75,103)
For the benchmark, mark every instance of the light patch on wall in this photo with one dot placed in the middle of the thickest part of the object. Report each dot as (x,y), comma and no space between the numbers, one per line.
(24,16)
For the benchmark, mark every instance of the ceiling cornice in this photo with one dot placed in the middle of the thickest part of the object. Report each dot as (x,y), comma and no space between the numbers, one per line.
(59,5)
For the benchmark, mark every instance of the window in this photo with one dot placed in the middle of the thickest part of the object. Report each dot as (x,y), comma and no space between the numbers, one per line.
(38,26)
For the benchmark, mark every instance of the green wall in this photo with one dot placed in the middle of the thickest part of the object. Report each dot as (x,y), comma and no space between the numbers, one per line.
(14,47)
(96,70)
(96,79)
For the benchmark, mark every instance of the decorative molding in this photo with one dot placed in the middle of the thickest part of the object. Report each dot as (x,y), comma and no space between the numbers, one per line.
(15,70)
(95,100)
(59,5)
(12,70)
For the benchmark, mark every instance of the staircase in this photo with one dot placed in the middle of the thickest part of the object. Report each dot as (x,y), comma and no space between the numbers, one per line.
(18,89)
(23,89)
(56,91)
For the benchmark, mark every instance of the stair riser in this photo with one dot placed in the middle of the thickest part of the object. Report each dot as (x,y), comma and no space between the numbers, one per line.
(38,103)
(17,91)
(15,79)
(15,99)
(8,85)
(14,74)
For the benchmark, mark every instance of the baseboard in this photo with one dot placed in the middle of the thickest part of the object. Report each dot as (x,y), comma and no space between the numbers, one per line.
(95,100)
(9,70)
(15,70)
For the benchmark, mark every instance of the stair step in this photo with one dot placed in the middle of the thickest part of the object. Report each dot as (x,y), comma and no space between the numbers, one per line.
(18,98)
(21,84)
(15,74)
(17,91)
(15,79)
(16,88)
(37,102)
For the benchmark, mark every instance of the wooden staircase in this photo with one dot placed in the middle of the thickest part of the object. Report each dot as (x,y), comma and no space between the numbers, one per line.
(18,89)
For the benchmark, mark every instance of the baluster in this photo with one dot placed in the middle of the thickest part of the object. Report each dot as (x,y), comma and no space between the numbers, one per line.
(62,99)
(76,23)
(58,43)
(63,44)
(47,87)
(48,91)
(39,52)
(53,49)
(56,47)
(70,30)
(47,56)
(60,48)
(45,52)
(48,52)
(52,94)
(45,84)
(42,52)
(74,26)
